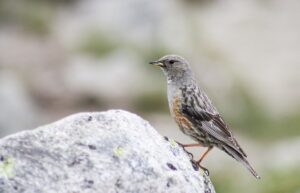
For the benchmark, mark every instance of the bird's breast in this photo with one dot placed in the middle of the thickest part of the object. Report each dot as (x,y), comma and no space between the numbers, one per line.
(179,117)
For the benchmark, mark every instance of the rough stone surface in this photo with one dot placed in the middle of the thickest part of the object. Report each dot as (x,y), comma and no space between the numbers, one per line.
(113,151)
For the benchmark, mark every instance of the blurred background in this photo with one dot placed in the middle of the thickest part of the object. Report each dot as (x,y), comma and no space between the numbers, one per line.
(62,57)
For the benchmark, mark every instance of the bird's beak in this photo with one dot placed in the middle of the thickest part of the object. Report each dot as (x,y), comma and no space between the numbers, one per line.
(157,63)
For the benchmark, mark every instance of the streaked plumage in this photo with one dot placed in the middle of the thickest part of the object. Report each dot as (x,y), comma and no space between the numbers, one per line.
(194,113)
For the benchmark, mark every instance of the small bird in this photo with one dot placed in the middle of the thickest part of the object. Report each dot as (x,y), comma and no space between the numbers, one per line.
(195,114)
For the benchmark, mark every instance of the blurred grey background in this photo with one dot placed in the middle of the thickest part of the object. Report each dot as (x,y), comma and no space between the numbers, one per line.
(62,57)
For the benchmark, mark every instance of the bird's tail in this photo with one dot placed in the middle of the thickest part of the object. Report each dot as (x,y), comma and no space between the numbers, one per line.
(240,158)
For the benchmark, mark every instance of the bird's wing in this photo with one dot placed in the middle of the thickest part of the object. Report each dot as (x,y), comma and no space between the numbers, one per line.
(211,123)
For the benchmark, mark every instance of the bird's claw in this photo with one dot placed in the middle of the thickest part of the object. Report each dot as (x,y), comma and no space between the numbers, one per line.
(190,154)
(196,164)
(206,172)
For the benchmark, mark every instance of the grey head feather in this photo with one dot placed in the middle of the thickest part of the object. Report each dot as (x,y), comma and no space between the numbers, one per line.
(176,68)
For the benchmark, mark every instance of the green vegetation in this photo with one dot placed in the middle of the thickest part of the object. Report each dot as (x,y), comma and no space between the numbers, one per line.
(255,122)
(37,20)
(150,102)
(97,44)
(273,181)
(32,16)
(282,181)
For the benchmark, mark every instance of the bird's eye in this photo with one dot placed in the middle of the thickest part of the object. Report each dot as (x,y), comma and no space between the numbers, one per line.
(172,61)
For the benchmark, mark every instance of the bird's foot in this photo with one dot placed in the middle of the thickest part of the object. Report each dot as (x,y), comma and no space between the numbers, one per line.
(180,144)
(189,153)
(183,147)
(196,165)
(204,170)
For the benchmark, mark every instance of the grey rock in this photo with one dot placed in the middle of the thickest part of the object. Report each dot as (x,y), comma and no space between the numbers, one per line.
(113,151)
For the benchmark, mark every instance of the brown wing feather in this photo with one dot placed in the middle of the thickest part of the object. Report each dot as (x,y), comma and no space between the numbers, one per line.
(207,118)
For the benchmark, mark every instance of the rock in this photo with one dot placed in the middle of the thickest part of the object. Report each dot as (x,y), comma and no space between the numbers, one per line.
(113,151)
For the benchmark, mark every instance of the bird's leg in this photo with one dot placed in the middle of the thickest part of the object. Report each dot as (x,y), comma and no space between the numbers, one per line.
(201,159)
(188,145)
(191,145)
(204,154)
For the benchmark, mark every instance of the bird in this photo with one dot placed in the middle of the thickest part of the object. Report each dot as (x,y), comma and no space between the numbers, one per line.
(195,114)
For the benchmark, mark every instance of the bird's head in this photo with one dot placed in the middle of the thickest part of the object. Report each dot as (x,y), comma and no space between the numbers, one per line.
(173,66)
